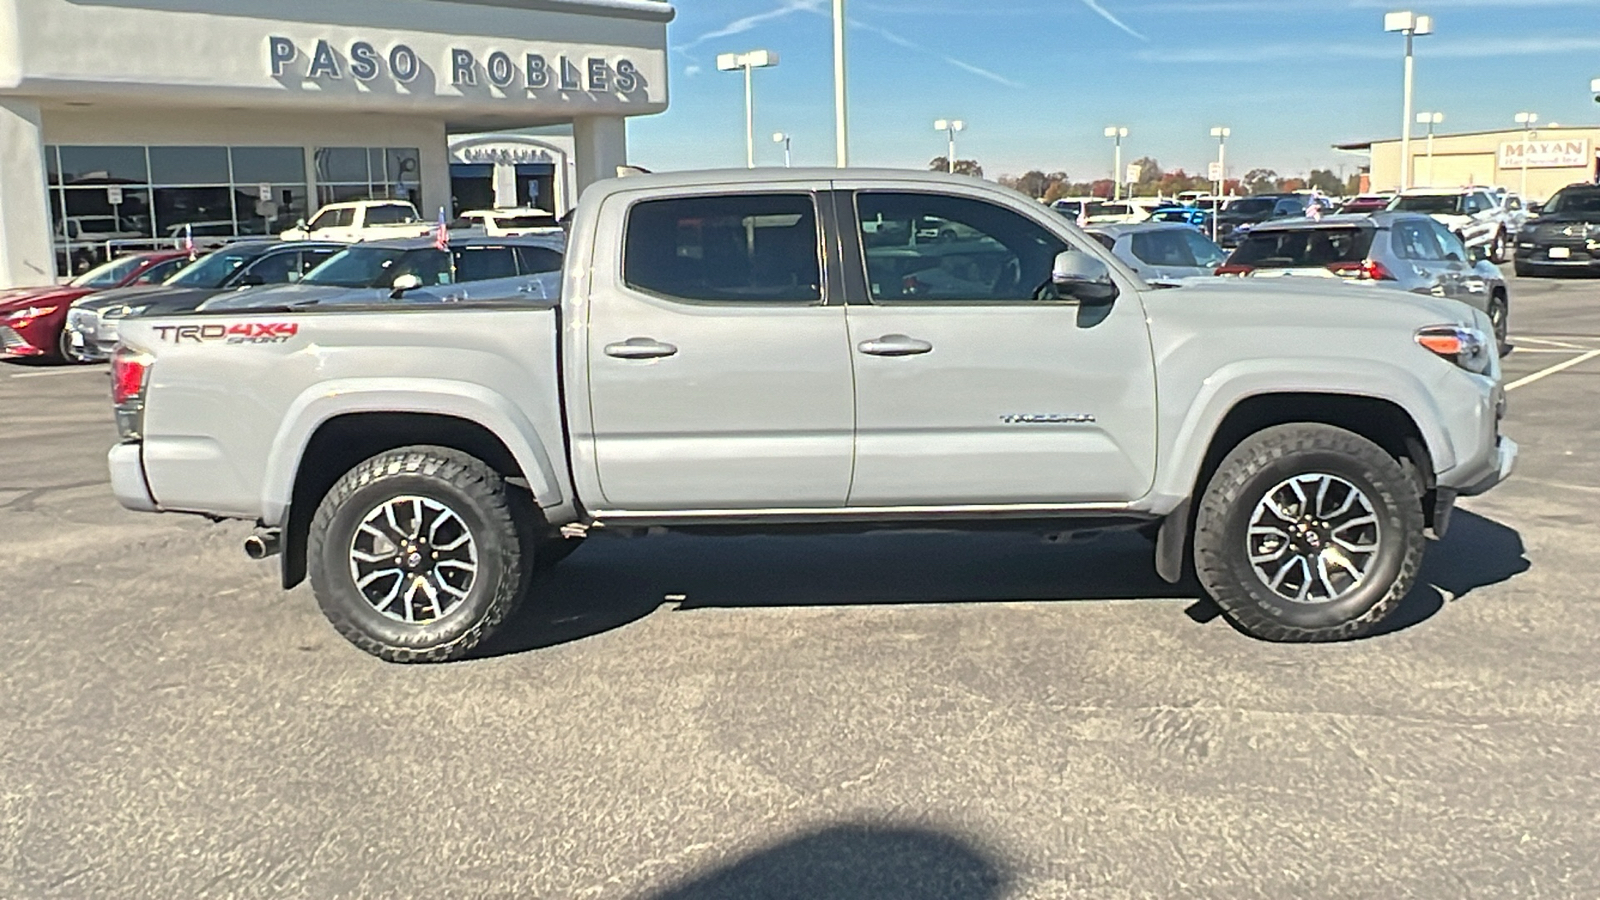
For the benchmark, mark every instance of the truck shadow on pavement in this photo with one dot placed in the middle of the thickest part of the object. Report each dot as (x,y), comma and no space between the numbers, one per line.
(852,862)
(612,582)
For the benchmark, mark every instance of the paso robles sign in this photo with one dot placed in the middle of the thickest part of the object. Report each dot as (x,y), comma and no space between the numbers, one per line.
(1561,154)
(534,72)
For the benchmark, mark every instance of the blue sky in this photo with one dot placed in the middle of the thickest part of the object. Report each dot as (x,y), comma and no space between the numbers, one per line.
(1037,81)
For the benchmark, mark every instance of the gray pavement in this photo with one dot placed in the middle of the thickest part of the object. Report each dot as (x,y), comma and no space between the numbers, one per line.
(926,716)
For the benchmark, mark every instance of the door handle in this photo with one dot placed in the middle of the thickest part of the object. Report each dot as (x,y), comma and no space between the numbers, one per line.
(895,345)
(640,348)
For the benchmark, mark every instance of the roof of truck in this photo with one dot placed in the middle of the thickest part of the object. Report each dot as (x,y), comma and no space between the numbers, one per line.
(714,177)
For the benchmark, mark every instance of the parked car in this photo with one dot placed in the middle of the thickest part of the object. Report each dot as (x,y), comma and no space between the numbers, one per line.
(701,372)
(1183,215)
(1161,252)
(1472,213)
(417,271)
(1366,203)
(509,222)
(92,323)
(1245,213)
(1564,237)
(1515,212)
(1118,212)
(362,220)
(1408,251)
(1078,208)
(32,320)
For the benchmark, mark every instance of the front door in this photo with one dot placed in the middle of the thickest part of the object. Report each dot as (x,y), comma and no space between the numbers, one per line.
(971,387)
(719,376)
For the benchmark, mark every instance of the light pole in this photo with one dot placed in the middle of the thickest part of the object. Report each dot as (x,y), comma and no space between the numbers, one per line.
(755,59)
(1410,24)
(950,127)
(779,137)
(1527,120)
(1430,119)
(1116,133)
(841,119)
(1221,133)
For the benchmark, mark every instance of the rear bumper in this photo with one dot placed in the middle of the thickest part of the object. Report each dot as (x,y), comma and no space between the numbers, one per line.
(128,483)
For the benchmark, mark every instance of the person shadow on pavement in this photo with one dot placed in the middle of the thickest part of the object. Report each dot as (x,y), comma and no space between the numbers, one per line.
(852,862)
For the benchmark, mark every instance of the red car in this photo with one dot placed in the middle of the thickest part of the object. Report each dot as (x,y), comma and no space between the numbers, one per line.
(32,319)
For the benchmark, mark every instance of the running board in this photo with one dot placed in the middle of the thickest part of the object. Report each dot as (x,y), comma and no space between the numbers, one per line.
(861,514)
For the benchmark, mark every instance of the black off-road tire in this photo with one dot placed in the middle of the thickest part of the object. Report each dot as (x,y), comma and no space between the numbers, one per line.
(1255,467)
(495,514)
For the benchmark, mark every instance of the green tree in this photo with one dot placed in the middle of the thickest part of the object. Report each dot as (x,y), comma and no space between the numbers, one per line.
(1261,181)
(1033,183)
(1325,181)
(963,166)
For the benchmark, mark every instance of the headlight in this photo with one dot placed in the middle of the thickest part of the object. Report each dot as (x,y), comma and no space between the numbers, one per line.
(1466,347)
(118,312)
(25,315)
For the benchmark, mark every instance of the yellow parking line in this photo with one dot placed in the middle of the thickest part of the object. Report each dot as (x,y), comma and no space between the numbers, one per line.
(1558,367)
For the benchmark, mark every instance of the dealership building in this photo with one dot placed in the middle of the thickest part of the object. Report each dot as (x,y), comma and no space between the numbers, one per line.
(129,121)
(1536,163)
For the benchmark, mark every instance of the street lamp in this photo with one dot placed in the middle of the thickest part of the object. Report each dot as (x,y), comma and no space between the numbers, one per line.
(1411,25)
(1117,133)
(841,123)
(950,127)
(1221,133)
(1527,120)
(1430,119)
(755,59)
(779,137)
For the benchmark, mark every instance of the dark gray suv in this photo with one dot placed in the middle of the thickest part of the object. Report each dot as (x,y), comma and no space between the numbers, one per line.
(1408,251)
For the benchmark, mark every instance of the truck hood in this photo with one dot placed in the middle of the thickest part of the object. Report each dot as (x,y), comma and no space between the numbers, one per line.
(1316,302)
(151,300)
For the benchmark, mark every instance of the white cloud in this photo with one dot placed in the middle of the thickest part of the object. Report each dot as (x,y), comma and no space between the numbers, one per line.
(691,70)
(746,23)
(1104,13)
(1437,49)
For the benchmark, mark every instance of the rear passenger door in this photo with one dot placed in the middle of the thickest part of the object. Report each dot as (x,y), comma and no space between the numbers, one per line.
(718,365)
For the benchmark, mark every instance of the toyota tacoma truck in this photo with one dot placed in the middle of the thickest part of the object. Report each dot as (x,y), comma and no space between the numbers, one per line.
(736,352)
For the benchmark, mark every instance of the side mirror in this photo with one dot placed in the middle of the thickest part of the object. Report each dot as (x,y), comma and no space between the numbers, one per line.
(403,283)
(1535,208)
(1478,254)
(1081,277)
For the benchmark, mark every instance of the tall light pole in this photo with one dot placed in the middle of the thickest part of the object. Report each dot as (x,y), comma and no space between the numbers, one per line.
(1410,24)
(755,59)
(950,127)
(841,118)
(1221,133)
(1116,133)
(1527,120)
(779,137)
(1430,119)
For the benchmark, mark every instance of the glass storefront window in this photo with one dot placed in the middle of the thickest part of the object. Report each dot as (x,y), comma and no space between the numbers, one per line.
(189,165)
(269,165)
(368,173)
(288,206)
(52,166)
(104,165)
(343,165)
(208,211)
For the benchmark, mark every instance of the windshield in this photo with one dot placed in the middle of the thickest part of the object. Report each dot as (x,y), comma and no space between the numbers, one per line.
(1432,204)
(108,274)
(211,271)
(1574,201)
(356,267)
(1303,248)
(1251,206)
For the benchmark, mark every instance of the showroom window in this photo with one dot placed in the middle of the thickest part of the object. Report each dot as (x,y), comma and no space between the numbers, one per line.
(110,199)
(368,173)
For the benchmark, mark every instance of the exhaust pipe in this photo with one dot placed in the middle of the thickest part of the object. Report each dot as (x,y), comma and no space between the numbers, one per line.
(263,544)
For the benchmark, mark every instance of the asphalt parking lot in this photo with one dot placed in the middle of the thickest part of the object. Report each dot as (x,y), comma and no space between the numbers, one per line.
(926,716)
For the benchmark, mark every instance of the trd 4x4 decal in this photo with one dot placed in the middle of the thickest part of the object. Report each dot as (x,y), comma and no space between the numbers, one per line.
(241,333)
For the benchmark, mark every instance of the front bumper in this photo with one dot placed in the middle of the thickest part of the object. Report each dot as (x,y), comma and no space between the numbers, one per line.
(14,344)
(1503,464)
(92,336)
(128,483)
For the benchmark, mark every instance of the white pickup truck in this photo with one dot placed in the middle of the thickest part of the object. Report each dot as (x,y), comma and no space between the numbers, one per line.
(736,351)
(361,220)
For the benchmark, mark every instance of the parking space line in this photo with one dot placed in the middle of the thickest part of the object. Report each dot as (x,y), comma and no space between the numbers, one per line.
(1558,367)
(46,372)
(1561,344)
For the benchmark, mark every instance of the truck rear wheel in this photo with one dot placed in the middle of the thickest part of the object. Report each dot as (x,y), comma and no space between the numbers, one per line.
(1309,532)
(416,554)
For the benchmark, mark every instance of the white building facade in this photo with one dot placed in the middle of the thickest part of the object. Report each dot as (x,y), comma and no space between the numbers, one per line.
(129,121)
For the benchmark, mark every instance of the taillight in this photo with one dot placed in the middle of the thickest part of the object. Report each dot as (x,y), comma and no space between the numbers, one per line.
(129,370)
(1234,270)
(1367,270)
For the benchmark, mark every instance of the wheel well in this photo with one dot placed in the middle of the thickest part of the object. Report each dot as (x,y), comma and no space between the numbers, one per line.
(1380,421)
(342,442)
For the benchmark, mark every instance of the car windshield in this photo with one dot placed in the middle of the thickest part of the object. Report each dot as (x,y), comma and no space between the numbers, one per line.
(1574,201)
(1431,204)
(108,274)
(1303,248)
(211,271)
(1252,206)
(356,267)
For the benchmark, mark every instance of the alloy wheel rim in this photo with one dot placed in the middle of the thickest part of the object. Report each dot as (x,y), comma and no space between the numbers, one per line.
(413,559)
(1313,538)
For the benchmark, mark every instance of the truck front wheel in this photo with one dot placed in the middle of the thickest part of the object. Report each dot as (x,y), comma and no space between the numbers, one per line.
(416,554)
(1309,532)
